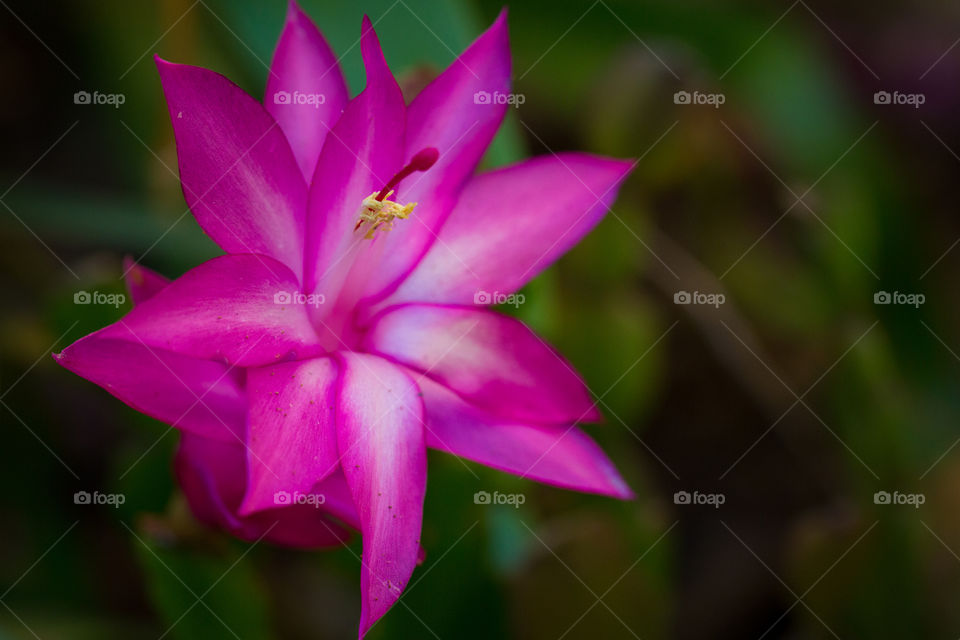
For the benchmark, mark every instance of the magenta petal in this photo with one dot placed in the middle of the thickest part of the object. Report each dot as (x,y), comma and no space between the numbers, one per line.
(380,437)
(142,283)
(305,89)
(291,438)
(338,501)
(239,176)
(450,115)
(493,361)
(512,223)
(212,475)
(561,456)
(198,396)
(363,151)
(229,309)
(301,527)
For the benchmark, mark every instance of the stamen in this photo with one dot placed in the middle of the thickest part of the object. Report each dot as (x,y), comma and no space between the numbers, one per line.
(378,213)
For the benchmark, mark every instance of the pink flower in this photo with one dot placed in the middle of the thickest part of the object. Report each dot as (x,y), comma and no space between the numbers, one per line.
(345,330)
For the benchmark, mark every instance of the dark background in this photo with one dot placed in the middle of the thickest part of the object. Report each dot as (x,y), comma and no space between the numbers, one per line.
(796,400)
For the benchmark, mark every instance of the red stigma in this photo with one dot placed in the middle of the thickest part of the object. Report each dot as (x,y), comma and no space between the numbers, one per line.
(421,161)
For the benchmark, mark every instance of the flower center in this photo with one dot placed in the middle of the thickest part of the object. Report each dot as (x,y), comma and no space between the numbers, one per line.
(377,213)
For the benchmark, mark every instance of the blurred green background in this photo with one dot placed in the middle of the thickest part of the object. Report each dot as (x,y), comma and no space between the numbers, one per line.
(797,400)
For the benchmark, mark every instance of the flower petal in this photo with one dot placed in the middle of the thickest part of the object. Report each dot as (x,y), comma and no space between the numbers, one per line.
(292,440)
(561,456)
(300,526)
(450,115)
(491,360)
(510,224)
(239,177)
(229,309)
(338,501)
(194,395)
(380,438)
(142,283)
(305,89)
(363,151)
(212,476)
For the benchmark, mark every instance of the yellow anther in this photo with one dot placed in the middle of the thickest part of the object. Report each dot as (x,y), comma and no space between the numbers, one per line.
(378,215)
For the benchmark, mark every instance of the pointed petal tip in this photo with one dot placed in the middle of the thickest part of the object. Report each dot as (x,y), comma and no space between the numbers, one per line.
(618,169)
(366,32)
(594,416)
(365,622)
(623,490)
(297,16)
(619,488)
(370,49)
(623,164)
(626,163)
(375,63)
(495,40)
(498,32)
(164,67)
